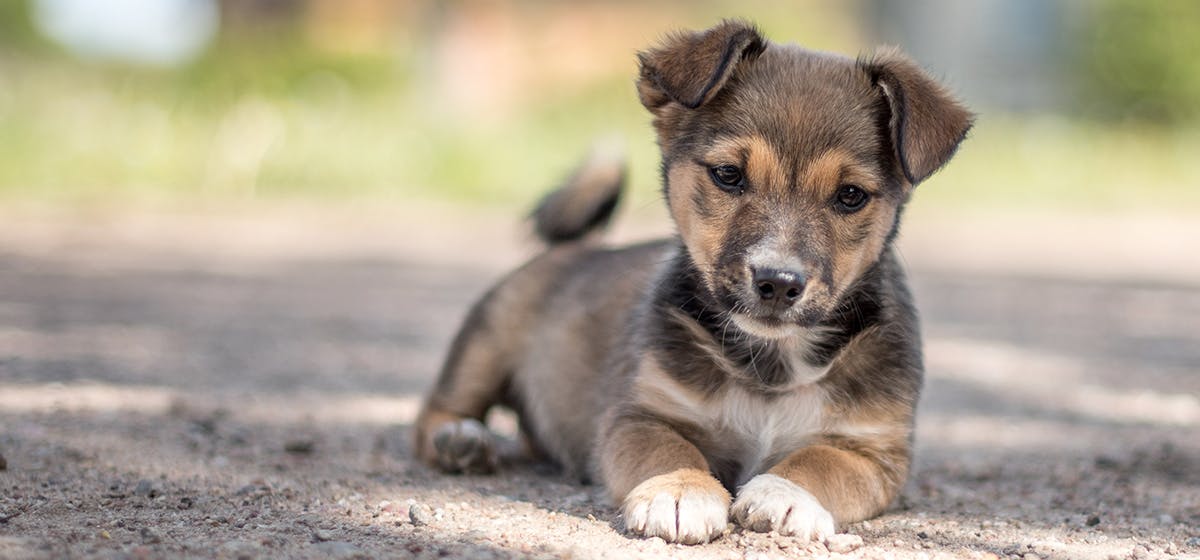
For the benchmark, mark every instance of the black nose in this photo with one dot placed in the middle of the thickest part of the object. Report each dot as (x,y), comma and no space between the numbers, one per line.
(783,286)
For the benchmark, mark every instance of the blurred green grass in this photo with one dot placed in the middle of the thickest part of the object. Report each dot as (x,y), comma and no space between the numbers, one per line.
(272,118)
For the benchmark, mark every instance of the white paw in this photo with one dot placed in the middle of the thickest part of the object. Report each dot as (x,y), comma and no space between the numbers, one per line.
(677,510)
(773,503)
(465,446)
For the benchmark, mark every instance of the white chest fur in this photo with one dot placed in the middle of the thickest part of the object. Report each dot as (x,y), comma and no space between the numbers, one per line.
(761,428)
(744,425)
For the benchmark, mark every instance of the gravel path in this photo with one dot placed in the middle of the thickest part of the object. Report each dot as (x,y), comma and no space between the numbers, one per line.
(237,386)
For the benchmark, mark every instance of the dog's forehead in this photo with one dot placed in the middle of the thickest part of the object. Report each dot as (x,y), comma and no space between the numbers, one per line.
(807,103)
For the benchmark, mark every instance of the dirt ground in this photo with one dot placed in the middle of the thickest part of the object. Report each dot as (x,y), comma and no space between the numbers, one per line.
(242,385)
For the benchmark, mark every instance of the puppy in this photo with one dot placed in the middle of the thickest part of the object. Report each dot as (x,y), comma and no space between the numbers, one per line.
(764,364)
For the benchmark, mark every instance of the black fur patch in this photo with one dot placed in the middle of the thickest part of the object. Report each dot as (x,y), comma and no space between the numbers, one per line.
(680,296)
(858,310)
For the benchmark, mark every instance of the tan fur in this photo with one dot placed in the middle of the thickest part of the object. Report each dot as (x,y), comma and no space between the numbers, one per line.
(638,450)
(849,485)
(676,481)
(824,174)
(676,372)
(764,165)
(856,467)
(704,235)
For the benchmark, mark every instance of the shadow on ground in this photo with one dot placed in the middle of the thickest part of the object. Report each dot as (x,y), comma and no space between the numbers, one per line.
(262,409)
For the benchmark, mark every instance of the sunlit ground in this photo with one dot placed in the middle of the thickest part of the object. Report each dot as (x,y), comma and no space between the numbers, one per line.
(155,370)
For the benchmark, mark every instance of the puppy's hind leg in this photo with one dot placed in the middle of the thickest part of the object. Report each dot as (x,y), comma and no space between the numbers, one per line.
(450,433)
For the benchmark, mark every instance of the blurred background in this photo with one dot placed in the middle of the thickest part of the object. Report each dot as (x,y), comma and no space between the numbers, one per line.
(236,237)
(1085,105)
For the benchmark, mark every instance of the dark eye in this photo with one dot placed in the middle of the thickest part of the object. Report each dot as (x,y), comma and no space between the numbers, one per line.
(728,178)
(851,198)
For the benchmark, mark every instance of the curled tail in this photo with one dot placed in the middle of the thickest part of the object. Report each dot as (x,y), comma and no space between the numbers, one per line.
(585,202)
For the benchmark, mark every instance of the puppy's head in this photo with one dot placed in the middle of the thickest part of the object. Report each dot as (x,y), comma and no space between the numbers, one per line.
(786,169)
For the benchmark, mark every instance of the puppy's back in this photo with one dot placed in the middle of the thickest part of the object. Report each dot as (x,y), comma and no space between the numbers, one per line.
(575,304)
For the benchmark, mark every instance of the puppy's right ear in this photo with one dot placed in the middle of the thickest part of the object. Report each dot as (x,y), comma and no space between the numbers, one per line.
(927,122)
(690,67)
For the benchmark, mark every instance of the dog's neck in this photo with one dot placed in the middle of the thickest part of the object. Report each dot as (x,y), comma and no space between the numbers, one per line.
(765,364)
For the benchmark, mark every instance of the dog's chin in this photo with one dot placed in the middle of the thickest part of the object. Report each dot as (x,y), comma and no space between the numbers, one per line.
(767,328)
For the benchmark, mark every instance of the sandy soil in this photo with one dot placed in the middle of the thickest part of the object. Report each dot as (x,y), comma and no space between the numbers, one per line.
(241,385)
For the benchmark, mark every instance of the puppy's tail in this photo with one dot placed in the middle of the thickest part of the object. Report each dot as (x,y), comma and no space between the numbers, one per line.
(585,202)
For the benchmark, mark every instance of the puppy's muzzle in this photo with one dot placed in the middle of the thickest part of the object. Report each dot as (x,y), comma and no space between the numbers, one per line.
(777,289)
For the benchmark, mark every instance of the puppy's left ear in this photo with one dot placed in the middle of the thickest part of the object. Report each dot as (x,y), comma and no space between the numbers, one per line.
(927,122)
(691,67)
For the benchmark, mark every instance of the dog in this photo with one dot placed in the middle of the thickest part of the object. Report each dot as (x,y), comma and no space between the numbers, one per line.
(764,364)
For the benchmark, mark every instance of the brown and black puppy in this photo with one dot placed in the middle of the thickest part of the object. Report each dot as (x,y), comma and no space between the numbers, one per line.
(765,364)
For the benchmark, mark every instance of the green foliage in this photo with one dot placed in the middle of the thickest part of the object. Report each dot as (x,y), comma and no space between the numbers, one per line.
(1139,60)
(16,27)
(264,115)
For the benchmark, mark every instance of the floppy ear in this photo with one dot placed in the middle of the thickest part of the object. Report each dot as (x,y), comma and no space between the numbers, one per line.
(690,67)
(927,122)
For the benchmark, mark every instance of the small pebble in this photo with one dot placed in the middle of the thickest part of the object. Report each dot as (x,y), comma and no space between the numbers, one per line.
(420,515)
(1194,541)
(321,535)
(843,543)
(392,507)
(3,463)
(1166,519)
(1106,462)
(301,446)
(145,488)
(148,536)
(1092,520)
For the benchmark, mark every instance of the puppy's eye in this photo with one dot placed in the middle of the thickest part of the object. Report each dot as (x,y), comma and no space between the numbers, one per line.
(728,178)
(850,198)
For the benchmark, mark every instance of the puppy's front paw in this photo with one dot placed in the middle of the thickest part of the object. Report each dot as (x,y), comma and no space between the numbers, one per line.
(687,506)
(773,503)
(464,446)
